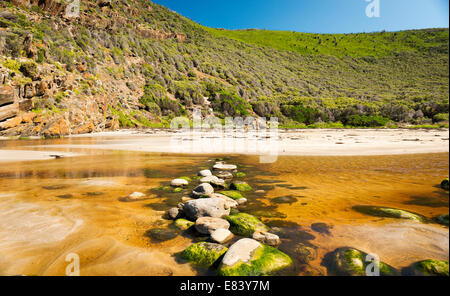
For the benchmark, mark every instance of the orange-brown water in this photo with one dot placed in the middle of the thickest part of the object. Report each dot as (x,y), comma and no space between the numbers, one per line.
(49,209)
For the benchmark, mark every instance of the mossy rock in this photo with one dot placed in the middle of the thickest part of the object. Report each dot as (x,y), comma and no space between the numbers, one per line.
(445,184)
(429,268)
(352,262)
(265,261)
(442,219)
(185,178)
(245,225)
(241,186)
(183,224)
(232,194)
(241,175)
(203,254)
(164,188)
(388,213)
(177,190)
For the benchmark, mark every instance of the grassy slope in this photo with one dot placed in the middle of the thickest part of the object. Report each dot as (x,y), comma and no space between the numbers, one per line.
(354,45)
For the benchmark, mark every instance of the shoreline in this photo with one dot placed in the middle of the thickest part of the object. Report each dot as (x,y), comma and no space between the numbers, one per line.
(309,142)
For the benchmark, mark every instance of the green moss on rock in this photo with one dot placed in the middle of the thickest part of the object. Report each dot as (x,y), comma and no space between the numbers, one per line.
(430,268)
(265,261)
(183,224)
(232,194)
(177,190)
(203,254)
(352,262)
(388,213)
(241,175)
(241,186)
(185,178)
(245,225)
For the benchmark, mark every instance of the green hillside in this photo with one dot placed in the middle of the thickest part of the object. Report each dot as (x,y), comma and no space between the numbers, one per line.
(354,45)
(138,64)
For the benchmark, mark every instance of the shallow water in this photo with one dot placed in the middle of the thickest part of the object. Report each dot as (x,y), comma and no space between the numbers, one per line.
(49,209)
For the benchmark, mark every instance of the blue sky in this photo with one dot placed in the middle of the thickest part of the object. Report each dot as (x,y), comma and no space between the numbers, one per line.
(315,16)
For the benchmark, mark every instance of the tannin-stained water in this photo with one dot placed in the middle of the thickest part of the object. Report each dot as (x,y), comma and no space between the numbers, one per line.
(49,209)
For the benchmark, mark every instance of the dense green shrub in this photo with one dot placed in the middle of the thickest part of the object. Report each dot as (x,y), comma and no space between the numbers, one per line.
(367,121)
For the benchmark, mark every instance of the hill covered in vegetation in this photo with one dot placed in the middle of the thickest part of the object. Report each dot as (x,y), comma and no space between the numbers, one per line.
(137,64)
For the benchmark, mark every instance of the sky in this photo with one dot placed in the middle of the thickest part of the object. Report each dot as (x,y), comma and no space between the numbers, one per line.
(315,16)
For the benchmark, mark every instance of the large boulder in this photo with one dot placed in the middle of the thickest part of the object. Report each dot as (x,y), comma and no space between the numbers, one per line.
(7,95)
(206,207)
(207,225)
(388,213)
(230,202)
(203,190)
(248,257)
(203,254)
(352,262)
(245,225)
(428,268)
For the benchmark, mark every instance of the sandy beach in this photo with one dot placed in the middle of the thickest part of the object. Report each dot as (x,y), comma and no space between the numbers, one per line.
(327,142)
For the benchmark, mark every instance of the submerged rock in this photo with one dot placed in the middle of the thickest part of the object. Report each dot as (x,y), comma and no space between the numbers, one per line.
(222,236)
(442,219)
(304,253)
(205,173)
(241,186)
(207,207)
(183,224)
(245,224)
(232,194)
(224,167)
(174,213)
(179,183)
(285,200)
(247,257)
(388,213)
(214,181)
(135,196)
(203,254)
(267,238)
(161,234)
(352,262)
(445,184)
(207,225)
(224,175)
(203,189)
(428,268)
(241,175)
